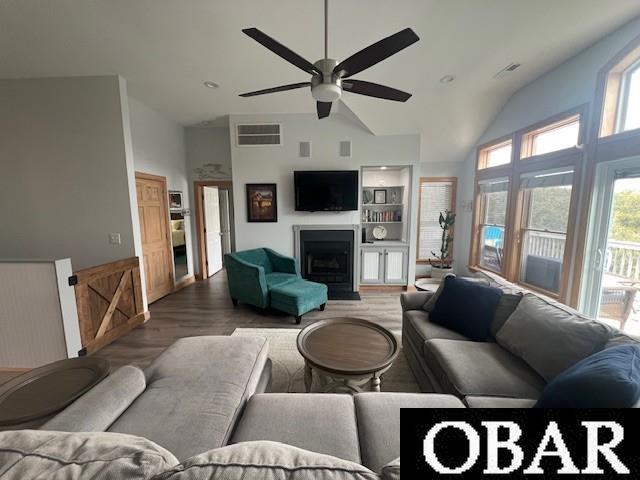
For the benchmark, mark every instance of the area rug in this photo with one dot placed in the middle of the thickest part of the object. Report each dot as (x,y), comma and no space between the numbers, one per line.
(288,364)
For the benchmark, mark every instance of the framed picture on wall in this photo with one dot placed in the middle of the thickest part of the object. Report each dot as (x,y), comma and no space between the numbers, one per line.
(379,196)
(262,204)
(175,200)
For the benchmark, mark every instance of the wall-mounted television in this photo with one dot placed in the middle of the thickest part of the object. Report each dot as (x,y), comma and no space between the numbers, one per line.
(326,190)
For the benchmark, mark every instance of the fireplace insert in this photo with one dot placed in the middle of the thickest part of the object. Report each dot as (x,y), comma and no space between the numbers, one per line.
(326,256)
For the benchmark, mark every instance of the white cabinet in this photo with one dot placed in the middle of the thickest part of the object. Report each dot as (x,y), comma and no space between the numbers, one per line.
(384,265)
(372,265)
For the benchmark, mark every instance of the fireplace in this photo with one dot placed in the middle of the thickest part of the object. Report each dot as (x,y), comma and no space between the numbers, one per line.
(326,256)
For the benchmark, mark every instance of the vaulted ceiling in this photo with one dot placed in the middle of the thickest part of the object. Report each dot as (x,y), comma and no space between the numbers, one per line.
(166,49)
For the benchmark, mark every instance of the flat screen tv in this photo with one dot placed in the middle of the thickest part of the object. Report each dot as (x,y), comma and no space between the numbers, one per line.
(326,190)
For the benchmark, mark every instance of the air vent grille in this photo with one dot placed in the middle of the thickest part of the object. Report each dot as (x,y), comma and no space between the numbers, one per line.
(512,67)
(345,148)
(255,134)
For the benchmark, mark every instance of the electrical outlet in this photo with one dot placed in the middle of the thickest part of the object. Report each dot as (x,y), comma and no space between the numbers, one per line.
(114,239)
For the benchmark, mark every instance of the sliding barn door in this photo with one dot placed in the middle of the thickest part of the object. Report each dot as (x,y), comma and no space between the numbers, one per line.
(156,244)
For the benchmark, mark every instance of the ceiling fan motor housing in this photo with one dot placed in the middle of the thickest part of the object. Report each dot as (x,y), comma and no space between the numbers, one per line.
(328,87)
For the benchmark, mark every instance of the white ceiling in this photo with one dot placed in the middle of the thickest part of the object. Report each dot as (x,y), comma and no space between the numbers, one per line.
(166,49)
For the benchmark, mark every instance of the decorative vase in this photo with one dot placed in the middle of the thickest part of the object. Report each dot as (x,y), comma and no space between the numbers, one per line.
(439,272)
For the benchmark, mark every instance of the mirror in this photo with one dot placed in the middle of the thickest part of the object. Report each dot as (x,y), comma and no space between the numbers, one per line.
(178,235)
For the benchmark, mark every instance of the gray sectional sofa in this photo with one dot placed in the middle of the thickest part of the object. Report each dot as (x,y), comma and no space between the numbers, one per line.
(202,400)
(533,339)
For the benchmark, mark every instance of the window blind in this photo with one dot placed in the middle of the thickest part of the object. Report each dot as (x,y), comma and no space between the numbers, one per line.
(494,185)
(435,197)
(554,178)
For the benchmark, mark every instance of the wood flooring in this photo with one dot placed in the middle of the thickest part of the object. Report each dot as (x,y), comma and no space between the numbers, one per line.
(205,308)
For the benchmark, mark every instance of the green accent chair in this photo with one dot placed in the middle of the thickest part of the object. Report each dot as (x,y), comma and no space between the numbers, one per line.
(264,278)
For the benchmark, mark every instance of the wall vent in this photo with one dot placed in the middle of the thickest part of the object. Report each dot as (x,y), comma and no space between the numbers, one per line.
(257,134)
(345,148)
(512,67)
(305,149)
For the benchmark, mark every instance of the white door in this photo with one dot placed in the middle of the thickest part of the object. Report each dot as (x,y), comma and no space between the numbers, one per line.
(394,270)
(225,221)
(612,266)
(372,265)
(212,232)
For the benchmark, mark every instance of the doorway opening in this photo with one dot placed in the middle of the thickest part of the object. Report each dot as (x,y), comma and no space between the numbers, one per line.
(214,224)
(612,291)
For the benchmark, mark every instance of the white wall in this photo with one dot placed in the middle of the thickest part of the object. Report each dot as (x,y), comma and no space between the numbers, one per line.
(208,158)
(64,182)
(275,164)
(568,86)
(159,149)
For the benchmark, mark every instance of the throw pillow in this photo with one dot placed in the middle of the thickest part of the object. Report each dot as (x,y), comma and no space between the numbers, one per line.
(550,338)
(266,461)
(466,307)
(68,456)
(607,379)
(391,471)
(429,304)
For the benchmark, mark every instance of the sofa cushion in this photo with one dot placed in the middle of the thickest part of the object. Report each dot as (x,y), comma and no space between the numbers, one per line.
(195,391)
(391,471)
(417,326)
(378,417)
(267,461)
(607,379)
(97,409)
(466,307)
(481,368)
(298,297)
(27,454)
(323,423)
(277,278)
(551,338)
(506,306)
(498,402)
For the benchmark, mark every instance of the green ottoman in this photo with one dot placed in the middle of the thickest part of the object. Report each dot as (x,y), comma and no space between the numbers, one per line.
(299,297)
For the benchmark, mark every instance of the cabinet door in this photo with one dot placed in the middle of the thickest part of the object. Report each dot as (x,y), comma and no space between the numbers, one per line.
(395,265)
(372,265)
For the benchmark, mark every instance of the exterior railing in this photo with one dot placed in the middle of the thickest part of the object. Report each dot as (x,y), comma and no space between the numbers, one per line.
(623,259)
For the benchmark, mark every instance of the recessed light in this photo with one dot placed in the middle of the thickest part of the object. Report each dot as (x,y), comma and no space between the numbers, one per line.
(447,79)
(383,168)
(210,84)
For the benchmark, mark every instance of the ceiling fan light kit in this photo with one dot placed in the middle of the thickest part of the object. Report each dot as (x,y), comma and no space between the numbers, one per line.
(327,74)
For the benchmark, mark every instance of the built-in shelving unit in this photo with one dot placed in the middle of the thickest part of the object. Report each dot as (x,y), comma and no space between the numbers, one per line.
(385,198)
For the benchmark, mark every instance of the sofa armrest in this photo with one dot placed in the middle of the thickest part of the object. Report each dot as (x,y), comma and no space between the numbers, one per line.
(414,300)
(282,263)
(247,282)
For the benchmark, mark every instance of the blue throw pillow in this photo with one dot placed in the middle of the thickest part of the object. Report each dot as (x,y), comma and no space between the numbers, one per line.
(466,307)
(607,379)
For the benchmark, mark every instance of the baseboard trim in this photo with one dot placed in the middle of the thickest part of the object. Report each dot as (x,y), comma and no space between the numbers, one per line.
(382,288)
(14,369)
(185,282)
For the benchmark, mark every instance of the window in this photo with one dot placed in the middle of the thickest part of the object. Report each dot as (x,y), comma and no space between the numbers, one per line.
(543,233)
(551,138)
(495,155)
(630,100)
(493,199)
(436,195)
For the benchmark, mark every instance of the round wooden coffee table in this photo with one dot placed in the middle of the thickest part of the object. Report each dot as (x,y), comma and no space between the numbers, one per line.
(347,354)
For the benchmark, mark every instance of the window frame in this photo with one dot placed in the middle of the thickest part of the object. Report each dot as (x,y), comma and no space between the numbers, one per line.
(483,152)
(479,224)
(454,189)
(527,136)
(523,211)
(623,97)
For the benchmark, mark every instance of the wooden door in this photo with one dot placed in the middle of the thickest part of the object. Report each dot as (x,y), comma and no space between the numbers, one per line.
(154,229)
(212,230)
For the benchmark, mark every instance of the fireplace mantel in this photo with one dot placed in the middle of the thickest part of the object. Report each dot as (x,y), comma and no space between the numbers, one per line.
(356,244)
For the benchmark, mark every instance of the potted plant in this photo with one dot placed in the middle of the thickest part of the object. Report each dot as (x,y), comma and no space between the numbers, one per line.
(442,266)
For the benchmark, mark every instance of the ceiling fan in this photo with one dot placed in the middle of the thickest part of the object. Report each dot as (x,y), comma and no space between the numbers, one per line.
(330,77)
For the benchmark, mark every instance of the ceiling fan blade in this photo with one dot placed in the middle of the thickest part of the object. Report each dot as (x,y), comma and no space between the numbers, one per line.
(375,90)
(324,108)
(282,51)
(376,53)
(281,88)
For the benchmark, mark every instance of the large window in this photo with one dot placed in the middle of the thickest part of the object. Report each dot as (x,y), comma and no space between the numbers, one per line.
(552,138)
(436,196)
(495,155)
(543,233)
(630,100)
(493,197)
